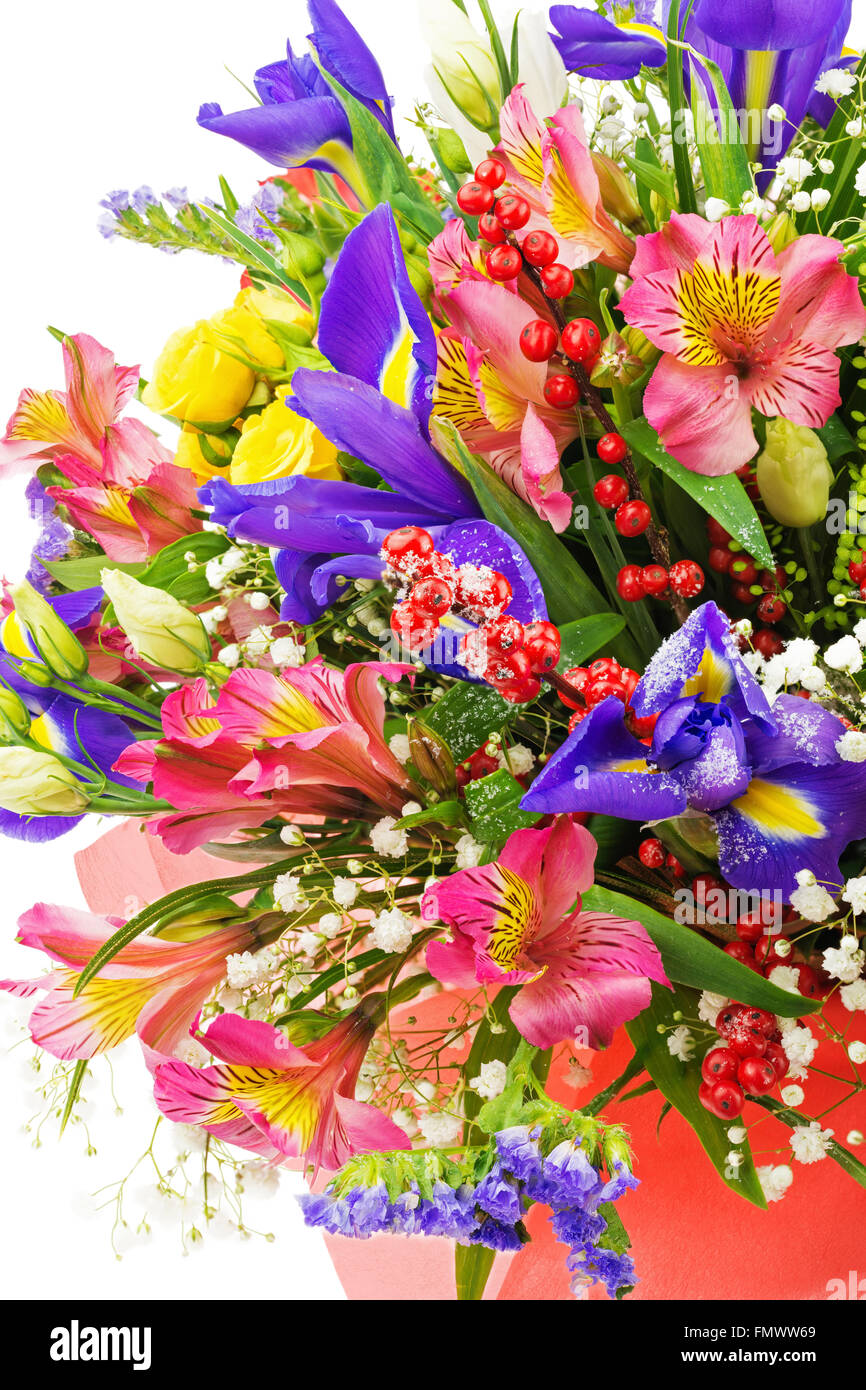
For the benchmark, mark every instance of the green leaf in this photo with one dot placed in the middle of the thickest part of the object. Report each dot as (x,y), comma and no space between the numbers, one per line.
(679,1083)
(86,573)
(689,959)
(78,1075)
(723,156)
(465,716)
(838,1152)
(443,813)
(568,592)
(677,101)
(653,176)
(169,570)
(493,804)
(587,636)
(472,1266)
(613,836)
(255,254)
(723,497)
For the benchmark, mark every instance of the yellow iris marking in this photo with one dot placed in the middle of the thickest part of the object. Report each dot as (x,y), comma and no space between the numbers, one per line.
(712,679)
(516,923)
(783,813)
(14,638)
(722,310)
(41,731)
(760,68)
(394,380)
(286,1099)
(632,765)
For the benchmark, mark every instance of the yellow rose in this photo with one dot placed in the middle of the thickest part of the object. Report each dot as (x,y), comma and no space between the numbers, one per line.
(274,305)
(189,454)
(240,330)
(278,443)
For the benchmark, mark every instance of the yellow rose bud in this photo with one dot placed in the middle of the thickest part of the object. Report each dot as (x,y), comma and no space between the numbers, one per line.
(793,474)
(239,330)
(193,380)
(162,632)
(190,453)
(278,443)
(37,784)
(58,646)
(277,306)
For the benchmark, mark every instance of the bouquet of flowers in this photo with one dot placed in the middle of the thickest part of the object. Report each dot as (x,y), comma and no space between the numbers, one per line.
(485,604)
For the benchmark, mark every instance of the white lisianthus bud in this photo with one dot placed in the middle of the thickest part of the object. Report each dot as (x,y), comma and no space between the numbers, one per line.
(161,630)
(33,783)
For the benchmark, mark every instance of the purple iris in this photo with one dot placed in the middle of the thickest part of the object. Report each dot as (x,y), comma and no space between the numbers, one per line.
(769,779)
(595,46)
(301,123)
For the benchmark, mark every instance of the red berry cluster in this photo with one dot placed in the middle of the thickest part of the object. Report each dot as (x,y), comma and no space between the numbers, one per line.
(757,947)
(509,655)
(652,853)
(594,683)
(751,1060)
(742,572)
(631,518)
(478,764)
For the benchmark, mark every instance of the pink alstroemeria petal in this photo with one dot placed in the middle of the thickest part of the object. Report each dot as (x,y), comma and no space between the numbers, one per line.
(702,415)
(800,382)
(820,300)
(542,480)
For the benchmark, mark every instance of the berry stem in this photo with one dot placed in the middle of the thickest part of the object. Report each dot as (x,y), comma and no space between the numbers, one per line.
(561,685)
(657,536)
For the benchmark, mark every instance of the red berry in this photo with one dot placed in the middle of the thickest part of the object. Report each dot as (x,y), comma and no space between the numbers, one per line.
(716,532)
(605,666)
(629,583)
(756,1075)
(513,212)
(557,280)
(543,646)
(726,1018)
(771,582)
(503,634)
(407,548)
(743,569)
(581,341)
(676,868)
(721,1064)
(629,679)
(540,248)
(751,927)
(475,198)
(739,950)
(503,263)
(687,578)
(742,594)
(491,172)
(432,598)
(561,392)
(577,677)
(808,982)
(727,1099)
(857,569)
(771,609)
(655,579)
(719,559)
(579,714)
(520,692)
(611,448)
(610,491)
(414,629)
(600,688)
(538,341)
(746,1039)
(508,667)
(481,764)
(641,727)
(651,852)
(775,1055)
(438,566)
(766,951)
(490,230)
(705,1096)
(632,518)
(767,643)
(484,593)
(761,1018)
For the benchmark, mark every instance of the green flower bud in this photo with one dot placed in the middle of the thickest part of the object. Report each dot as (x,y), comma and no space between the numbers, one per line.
(58,646)
(14,716)
(161,630)
(793,474)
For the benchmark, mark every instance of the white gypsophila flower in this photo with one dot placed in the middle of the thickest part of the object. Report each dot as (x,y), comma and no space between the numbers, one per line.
(826,166)
(776,112)
(845,961)
(854,128)
(285,651)
(257,643)
(786,977)
(793,169)
(229,999)
(404,1119)
(425,1089)
(292,835)
(519,760)
(330,925)
(308,943)
(258,602)
(854,996)
(209,621)
(799,1046)
(799,653)
(189,1138)
(230,655)
(743,627)
(490,1081)
(399,746)
(440,1130)
(469,852)
(854,1137)
(819,198)
(289,894)
(259,1177)
(189,1050)
(845,655)
(715,209)
(737,1133)
(753,661)
(245,969)
(836,83)
(851,747)
(793,1095)
(810,1142)
(577,1075)
(857,1052)
(752,204)
(775,1179)
(859,631)
(411,808)
(344,891)
(391,930)
(800,201)
(387,841)
(681,1043)
(813,679)
(735,1158)
(810,900)
(710,1006)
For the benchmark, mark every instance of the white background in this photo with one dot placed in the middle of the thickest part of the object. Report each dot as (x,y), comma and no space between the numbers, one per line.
(98,96)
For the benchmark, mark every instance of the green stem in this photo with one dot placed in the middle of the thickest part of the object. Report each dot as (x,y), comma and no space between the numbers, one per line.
(816,588)
(598,1102)
(502,64)
(676,93)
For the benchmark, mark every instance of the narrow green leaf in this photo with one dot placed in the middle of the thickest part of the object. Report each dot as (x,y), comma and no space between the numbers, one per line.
(653,176)
(255,253)
(73,1093)
(587,636)
(677,101)
(465,716)
(723,497)
(169,569)
(493,804)
(723,156)
(86,572)
(838,1152)
(472,1266)
(679,1083)
(690,959)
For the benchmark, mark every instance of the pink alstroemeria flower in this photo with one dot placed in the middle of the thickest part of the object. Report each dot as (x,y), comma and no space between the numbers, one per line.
(740,327)
(518,921)
(125,489)
(153,987)
(553,168)
(255,753)
(263,1088)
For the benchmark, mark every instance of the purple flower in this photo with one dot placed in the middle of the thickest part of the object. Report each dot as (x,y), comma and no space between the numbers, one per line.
(499,1195)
